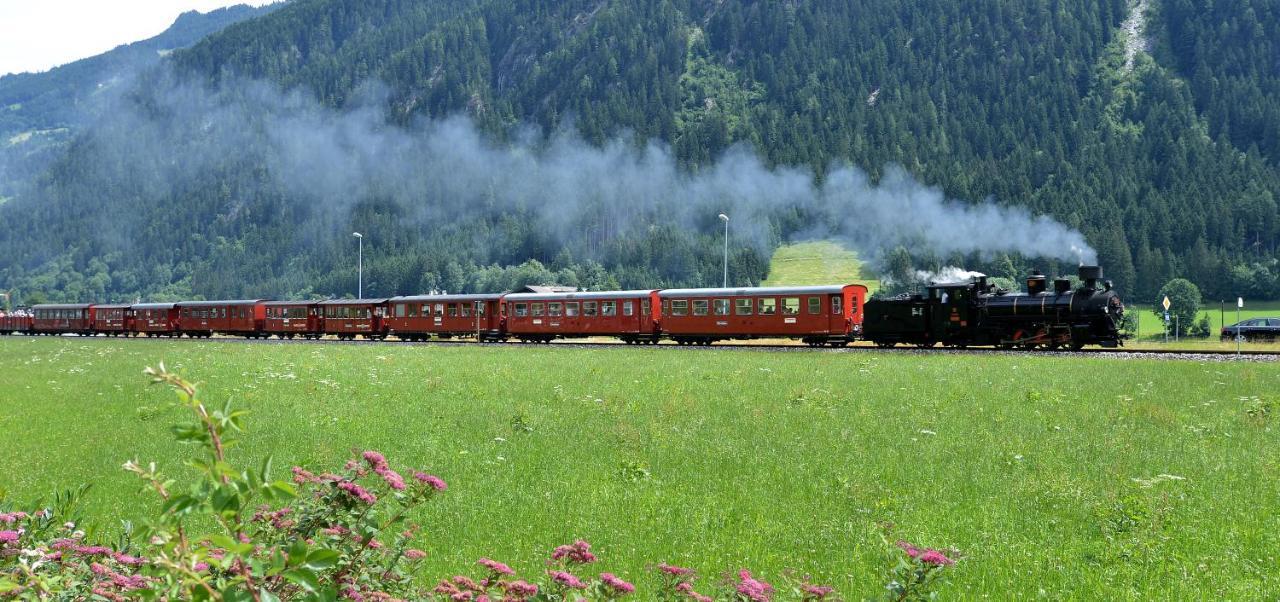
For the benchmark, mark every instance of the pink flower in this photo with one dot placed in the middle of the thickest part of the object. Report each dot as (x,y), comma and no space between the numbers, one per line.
(519,588)
(10,517)
(935,558)
(435,482)
(301,476)
(358,492)
(675,571)
(753,589)
(567,579)
(618,586)
(128,560)
(375,459)
(911,550)
(9,537)
(578,553)
(414,554)
(495,566)
(393,478)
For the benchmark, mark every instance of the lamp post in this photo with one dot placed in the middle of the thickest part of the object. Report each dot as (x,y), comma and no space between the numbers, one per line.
(724,218)
(359,265)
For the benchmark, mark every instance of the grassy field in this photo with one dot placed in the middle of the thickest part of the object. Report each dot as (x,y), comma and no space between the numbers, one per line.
(819,262)
(1045,472)
(1151,326)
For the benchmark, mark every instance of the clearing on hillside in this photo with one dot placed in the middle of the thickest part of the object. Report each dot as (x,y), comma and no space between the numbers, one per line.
(816,262)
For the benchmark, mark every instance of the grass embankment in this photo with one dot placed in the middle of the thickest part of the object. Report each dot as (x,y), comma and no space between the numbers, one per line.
(1044,471)
(819,262)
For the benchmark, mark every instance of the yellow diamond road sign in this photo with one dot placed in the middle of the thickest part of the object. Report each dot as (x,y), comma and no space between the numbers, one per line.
(1166,303)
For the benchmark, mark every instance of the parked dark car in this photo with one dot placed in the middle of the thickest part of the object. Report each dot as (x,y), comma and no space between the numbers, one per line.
(1255,329)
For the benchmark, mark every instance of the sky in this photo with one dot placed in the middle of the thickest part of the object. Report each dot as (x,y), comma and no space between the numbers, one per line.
(36,35)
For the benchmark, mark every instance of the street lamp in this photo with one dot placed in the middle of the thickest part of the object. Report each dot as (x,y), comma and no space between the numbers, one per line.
(359,265)
(724,218)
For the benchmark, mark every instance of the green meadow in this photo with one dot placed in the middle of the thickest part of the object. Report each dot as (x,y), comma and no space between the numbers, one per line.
(1079,478)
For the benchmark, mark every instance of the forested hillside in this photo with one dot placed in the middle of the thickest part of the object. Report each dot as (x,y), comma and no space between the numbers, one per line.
(1168,166)
(41,111)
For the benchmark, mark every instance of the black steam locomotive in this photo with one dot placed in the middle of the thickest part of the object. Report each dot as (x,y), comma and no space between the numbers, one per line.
(978,313)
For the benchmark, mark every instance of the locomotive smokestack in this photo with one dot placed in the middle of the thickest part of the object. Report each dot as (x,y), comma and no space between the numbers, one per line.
(1091,274)
(1035,283)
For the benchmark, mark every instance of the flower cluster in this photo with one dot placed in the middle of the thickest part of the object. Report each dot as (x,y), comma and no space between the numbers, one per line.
(919,572)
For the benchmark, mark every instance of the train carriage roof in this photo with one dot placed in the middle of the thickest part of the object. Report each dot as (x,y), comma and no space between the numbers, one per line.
(61,306)
(154,305)
(289,303)
(448,298)
(754,291)
(352,302)
(112,305)
(580,296)
(219,303)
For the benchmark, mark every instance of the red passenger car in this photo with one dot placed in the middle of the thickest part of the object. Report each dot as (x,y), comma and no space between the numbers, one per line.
(204,318)
(541,317)
(348,318)
(15,322)
(113,320)
(288,319)
(419,317)
(155,319)
(51,319)
(814,314)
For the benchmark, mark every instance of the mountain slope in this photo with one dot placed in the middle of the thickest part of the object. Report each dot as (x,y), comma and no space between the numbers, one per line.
(1029,104)
(40,111)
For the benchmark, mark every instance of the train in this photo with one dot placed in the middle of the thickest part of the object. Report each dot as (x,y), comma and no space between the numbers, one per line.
(972,312)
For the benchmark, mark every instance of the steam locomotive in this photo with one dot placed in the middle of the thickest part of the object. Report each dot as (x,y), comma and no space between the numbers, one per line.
(978,313)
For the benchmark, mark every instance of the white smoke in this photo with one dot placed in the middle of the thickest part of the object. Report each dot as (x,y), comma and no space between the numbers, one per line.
(443,171)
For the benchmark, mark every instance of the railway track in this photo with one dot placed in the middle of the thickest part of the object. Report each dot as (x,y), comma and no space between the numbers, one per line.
(1255,355)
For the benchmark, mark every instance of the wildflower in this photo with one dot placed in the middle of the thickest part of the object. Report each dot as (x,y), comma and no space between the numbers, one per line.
(567,579)
(935,558)
(618,586)
(301,476)
(578,553)
(358,492)
(393,478)
(435,482)
(518,589)
(414,554)
(911,550)
(8,537)
(752,588)
(675,571)
(495,566)
(10,517)
(375,459)
(817,592)
(126,559)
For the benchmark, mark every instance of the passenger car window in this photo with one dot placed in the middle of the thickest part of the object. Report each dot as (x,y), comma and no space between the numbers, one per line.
(628,308)
(553,310)
(522,310)
(768,306)
(815,305)
(465,309)
(608,308)
(536,308)
(453,310)
(835,306)
(680,307)
(791,306)
(571,309)
(700,307)
(742,307)
(589,308)
(722,307)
